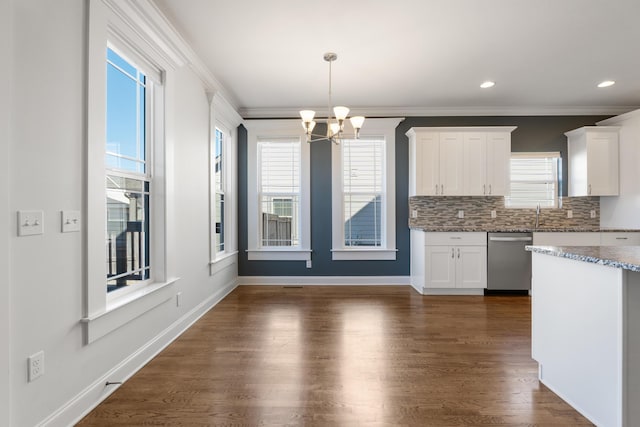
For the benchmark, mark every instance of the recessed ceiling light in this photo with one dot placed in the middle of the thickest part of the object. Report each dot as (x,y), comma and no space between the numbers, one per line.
(606,83)
(487,84)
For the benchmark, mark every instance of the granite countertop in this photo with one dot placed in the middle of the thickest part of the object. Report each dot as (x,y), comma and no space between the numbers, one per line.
(625,257)
(522,229)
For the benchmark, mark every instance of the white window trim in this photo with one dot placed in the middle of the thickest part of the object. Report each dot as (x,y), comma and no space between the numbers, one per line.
(225,118)
(258,129)
(372,127)
(103,313)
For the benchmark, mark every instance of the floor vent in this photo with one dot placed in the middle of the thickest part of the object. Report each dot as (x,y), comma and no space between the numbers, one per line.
(292,287)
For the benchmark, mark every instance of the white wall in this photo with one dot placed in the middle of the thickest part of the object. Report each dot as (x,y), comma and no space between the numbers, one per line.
(5,120)
(47,290)
(624,211)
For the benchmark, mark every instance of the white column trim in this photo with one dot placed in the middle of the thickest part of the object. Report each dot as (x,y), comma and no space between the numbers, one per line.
(6,51)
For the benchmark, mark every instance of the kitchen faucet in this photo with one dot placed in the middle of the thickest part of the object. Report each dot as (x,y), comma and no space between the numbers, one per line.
(537,216)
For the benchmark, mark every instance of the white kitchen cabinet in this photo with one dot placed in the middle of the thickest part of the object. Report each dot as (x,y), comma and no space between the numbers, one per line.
(472,161)
(593,161)
(487,156)
(455,261)
(436,167)
(549,238)
(619,238)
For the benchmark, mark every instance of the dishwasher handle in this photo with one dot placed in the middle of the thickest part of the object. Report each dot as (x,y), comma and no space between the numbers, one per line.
(510,239)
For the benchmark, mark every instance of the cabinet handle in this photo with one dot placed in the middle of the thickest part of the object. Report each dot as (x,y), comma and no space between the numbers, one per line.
(442,189)
(452,253)
(489,189)
(458,253)
(436,189)
(484,189)
(621,238)
(589,190)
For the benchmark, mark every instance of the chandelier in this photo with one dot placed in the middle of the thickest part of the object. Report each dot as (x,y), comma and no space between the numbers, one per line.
(335,125)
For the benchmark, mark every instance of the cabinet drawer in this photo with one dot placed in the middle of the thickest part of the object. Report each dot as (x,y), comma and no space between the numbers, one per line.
(455,239)
(619,239)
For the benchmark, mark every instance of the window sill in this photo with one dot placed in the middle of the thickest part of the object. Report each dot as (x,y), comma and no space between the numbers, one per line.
(363,254)
(222,262)
(279,254)
(226,258)
(123,310)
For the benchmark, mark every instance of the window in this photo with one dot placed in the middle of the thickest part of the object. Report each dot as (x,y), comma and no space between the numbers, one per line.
(279,186)
(127,195)
(363,191)
(278,191)
(223,122)
(219,189)
(363,188)
(534,180)
(127,174)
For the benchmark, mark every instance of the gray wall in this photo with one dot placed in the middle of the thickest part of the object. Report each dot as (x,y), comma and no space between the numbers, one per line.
(536,133)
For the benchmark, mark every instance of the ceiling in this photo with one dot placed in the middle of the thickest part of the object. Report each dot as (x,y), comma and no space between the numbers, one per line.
(418,57)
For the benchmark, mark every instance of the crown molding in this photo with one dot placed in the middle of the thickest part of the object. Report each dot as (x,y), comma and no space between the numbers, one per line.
(618,120)
(255,113)
(148,21)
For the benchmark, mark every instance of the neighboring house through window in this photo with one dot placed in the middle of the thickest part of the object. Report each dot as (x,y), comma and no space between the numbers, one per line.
(363,204)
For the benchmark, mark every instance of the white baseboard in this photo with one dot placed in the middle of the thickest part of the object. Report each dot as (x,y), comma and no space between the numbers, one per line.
(325,280)
(83,403)
(452,291)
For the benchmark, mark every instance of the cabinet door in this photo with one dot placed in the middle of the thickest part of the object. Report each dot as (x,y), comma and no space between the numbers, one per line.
(427,164)
(602,164)
(475,165)
(471,266)
(440,267)
(451,164)
(498,163)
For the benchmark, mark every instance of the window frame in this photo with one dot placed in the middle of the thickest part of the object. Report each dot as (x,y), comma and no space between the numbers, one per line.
(105,312)
(557,170)
(258,130)
(385,128)
(224,118)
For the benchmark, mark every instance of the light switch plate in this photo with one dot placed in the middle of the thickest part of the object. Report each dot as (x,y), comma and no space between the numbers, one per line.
(494,214)
(414,213)
(460,214)
(70,221)
(30,223)
(592,214)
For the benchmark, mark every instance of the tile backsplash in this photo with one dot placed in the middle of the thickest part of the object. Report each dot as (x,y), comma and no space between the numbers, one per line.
(442,212)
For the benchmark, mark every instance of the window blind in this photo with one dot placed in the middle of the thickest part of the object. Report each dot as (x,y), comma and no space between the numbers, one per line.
(534,180)
(363,190)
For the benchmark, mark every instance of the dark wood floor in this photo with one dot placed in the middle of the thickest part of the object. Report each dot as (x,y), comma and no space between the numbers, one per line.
(344,356)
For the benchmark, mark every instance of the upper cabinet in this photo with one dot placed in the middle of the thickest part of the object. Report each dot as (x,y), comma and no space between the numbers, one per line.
(469,161)
(593,161)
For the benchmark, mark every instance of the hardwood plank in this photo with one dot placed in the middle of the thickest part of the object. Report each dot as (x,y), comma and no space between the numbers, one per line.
(344,356)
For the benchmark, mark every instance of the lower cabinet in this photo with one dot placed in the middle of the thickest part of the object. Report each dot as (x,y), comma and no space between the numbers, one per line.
(456,267)
(449,263)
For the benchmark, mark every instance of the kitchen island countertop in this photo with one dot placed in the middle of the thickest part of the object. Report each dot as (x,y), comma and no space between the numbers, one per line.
(625,257)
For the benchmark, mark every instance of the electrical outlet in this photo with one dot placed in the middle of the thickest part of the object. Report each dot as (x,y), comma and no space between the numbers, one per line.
(308,263)
(592,214)
(36,365)
(569,213)
(494,214)
(460,214)
(414,213)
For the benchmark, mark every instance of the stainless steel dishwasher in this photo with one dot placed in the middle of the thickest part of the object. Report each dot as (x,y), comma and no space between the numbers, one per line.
(508,263)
